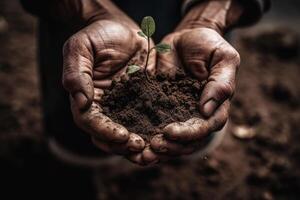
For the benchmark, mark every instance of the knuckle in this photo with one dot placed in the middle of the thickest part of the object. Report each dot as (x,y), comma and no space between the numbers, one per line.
(233,55)
(231,52)
(219,123)
(70,43)
(69,78)
(238,58)
(226,89)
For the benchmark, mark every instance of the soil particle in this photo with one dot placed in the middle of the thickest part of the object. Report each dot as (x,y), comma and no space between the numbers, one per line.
(243,132)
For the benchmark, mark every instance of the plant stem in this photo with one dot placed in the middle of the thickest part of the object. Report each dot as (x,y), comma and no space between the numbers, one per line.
(147,60)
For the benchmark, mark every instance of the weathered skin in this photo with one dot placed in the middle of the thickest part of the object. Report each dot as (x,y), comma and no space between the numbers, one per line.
(200,48)
(93,57)
(98,53)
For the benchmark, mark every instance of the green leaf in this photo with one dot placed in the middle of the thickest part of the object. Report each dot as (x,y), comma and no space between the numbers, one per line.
(162,48)
(148,26)
(140,33)
(132,69)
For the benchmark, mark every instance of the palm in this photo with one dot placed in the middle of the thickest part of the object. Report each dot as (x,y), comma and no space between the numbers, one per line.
(114,46)
(193,51)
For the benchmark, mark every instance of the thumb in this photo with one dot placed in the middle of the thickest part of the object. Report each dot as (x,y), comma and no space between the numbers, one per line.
(77,71)
(220,85)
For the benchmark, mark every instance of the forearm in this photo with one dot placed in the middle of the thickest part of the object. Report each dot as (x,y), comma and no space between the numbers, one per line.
(74,12)
(220,15)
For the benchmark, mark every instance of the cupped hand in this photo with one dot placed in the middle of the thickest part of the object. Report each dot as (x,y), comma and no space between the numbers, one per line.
(207,56)
(93,57)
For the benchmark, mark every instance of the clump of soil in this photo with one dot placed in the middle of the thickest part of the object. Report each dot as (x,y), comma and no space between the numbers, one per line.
(144,108)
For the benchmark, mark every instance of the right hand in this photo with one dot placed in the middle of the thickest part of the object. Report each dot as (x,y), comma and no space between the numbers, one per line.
(93,57)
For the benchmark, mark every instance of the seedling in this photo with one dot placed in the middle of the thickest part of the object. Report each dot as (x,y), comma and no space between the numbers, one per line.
(147,30)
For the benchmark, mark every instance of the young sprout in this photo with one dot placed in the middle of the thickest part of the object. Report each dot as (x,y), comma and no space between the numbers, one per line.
(132,69)
(147,30)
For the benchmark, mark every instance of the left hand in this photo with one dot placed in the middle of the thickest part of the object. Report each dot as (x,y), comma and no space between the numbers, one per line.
(207,56)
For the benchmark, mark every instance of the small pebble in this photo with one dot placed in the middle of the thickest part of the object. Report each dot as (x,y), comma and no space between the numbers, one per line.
(267,196)
(3,25)
(243,132)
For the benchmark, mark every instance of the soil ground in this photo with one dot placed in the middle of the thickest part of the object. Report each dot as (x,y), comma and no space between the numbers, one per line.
(267,101)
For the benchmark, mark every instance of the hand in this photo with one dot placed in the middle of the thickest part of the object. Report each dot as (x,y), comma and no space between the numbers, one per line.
(93,57)
(207,56)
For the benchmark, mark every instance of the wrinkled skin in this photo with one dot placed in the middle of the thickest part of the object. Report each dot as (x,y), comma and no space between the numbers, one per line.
(100,53)
(204,53)
(93,57)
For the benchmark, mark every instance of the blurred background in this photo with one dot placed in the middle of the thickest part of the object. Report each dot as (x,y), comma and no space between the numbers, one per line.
(259,159)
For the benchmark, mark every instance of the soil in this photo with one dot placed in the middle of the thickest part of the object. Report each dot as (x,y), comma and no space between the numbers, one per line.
(267,99)
(145,107)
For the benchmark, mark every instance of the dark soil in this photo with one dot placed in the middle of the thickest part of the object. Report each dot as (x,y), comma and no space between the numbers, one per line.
(146,107)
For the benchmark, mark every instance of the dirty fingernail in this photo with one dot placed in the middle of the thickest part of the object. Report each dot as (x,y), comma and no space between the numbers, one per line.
(80,100)
(209,107)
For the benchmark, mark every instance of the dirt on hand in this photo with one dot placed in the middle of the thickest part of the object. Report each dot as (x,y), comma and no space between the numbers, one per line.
(145,107)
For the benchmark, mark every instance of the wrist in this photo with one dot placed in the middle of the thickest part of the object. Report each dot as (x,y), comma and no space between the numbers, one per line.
(74,14)
(95,10)
(220,15)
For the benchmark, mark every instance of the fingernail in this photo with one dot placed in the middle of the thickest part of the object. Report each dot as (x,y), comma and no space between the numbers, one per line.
(209,107)
(80,100)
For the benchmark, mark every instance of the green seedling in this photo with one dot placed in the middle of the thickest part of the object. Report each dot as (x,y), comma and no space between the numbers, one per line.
(132,69)
(147,30)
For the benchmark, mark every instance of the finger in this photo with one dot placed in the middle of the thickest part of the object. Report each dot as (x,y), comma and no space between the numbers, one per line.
(120,149)
(107,82)
(194,61)
(161,145)
(136,158)
(98,94)
(77,70)
(218,120)
(195,128)
(115,76)
(192,129)
(99,125)
(149,157)
(135,143)
(221,81)
(194,49)
(103,84)
(196,67)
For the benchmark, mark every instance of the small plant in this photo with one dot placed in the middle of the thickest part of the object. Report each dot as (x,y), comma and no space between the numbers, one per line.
(147,30)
